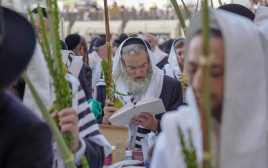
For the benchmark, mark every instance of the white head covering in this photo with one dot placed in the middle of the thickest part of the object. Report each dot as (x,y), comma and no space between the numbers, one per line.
(173,61)
(168,151)
(155,87)
(261,20)
(243,131)
(243,136)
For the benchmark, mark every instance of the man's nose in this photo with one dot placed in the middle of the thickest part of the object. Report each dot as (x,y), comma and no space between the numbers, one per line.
(138,71)
(196,83)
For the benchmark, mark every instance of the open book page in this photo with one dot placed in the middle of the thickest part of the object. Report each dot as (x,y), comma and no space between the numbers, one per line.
(152,106)
(124,115)
(147,101)
(123,109)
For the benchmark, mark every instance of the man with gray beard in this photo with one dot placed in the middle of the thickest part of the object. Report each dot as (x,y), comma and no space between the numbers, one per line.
(161,58)
(140,80)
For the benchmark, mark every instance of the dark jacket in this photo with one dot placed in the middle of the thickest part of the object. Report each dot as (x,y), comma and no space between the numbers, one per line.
(85,77)
(25,140)
(163,62)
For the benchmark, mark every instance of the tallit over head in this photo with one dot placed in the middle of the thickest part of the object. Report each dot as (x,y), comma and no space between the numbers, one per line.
(167,150)
(243,133)
(155,87)
(261,21)
(172,59)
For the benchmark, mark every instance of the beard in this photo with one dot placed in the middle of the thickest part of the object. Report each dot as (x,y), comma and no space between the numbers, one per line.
(216,106)
(137,87)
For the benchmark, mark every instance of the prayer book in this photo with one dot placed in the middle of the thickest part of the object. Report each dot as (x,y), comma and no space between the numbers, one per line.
(124,114)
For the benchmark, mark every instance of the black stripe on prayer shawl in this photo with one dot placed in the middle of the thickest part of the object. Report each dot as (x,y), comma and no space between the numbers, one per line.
(71,87)
(87,125)
(93,133)
(82,100)
(70,58)
(138,146)
(79,88)
(83,113)
(85,117)
(139,138)
(143,132)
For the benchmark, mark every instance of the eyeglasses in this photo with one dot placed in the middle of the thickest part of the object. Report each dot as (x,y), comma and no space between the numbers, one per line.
(134,69)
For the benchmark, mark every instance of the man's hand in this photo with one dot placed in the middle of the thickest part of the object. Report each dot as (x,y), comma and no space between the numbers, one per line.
(146,120)
(185,84)
(69,122)
(108,111)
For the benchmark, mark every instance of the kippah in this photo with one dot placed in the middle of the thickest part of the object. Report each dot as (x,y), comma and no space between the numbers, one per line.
(239,9)
(72,41)
(133,41)
(99,42)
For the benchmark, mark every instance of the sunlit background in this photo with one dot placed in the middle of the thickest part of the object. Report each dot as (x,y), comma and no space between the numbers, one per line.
(85,17)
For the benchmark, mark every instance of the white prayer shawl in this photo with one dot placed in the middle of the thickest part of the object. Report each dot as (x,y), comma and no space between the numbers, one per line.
(168,151)
(261,19)
(93,60)
(243,132)
(39,74)
(158,54)
(96,75)
(155,87)
(74,63)
(169,71)
(172,68)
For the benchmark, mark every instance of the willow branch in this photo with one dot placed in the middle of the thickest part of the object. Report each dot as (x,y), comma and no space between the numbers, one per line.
(109,56)
(65,152)
(205,108)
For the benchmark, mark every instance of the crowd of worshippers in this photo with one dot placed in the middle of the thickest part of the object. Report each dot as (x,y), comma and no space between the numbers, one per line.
(238,89)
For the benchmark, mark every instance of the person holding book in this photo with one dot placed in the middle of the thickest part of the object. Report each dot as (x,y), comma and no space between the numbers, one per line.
(140,80)
(238,104)
(25,140)
(77,119)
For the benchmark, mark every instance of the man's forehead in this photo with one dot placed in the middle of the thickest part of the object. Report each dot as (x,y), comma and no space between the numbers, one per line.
(141,57)
(195,50)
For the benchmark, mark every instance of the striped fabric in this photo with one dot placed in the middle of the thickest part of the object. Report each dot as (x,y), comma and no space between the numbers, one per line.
(88,127)
(141,133)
